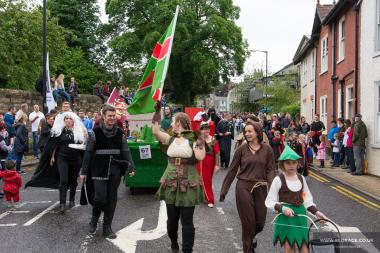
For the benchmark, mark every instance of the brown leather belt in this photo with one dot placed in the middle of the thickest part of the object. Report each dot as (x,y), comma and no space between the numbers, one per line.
(180,161)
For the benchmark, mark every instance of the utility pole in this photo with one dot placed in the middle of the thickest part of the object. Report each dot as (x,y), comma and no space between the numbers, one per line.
(44,52)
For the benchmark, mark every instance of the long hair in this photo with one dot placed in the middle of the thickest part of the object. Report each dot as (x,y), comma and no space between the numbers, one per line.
(78,128)
(183,119)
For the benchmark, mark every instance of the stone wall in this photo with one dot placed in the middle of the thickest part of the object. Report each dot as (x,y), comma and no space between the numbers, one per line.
(17,97)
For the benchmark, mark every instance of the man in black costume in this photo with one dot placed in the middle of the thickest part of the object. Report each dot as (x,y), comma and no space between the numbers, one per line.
(106,160)
(225,131)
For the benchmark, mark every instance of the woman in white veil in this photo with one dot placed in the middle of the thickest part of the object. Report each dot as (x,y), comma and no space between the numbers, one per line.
(69,131)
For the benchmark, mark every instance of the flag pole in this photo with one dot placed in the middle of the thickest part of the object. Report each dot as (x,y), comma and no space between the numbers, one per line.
(44,56)
(169,53)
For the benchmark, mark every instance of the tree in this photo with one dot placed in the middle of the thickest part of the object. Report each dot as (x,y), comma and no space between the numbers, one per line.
(208,45)
(82,23)
(281,98)
(21,50)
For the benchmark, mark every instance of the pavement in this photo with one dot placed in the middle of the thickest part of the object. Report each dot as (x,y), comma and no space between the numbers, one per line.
(366,184)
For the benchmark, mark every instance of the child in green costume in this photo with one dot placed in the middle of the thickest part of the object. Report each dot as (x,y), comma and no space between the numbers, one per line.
(290,196)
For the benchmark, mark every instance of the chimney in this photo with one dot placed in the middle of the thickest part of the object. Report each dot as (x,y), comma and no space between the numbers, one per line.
(318,2)
(334,2)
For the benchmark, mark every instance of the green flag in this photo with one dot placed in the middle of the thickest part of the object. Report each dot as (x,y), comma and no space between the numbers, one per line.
(151,85)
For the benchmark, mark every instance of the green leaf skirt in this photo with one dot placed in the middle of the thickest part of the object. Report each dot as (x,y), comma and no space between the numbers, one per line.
(292,230)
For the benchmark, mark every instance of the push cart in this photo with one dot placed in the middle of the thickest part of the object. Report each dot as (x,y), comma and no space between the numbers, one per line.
(150,163)
(324,241)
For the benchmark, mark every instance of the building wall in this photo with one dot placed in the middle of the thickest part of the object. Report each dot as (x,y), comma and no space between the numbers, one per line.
(345,68)
(370,76)
(323,79)
(307,84)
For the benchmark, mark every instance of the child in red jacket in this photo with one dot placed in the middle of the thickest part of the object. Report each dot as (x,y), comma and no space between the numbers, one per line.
(12,183)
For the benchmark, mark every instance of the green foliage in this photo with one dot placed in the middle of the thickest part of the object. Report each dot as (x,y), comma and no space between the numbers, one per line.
(292,109)
(281,98)
(208,45)
(21,50)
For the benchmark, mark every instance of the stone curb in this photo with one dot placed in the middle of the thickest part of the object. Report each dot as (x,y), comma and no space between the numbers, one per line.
(371,195)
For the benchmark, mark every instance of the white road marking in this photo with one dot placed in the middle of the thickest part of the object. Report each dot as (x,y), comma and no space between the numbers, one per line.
(19,211)
(128,237)
(8,225)
(37,202)
(38,216)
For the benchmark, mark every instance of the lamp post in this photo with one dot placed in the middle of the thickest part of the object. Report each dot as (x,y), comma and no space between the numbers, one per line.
(44,52)
(266,75)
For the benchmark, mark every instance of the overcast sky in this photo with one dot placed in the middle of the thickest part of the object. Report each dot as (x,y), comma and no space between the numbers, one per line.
(273,25)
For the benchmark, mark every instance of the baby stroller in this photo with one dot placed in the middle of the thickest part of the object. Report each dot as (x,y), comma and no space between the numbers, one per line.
(324,241)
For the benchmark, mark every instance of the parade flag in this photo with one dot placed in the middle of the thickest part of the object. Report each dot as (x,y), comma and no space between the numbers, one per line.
(151,85)
(114,97)
(50,102)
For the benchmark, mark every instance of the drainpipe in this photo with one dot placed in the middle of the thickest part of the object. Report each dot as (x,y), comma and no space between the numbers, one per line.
(333,75)
(341,84)
(356,69)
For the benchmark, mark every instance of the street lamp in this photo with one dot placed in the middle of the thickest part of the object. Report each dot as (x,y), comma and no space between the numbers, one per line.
(266,75)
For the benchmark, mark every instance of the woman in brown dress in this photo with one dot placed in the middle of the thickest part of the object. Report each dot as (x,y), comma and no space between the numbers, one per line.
(257,168)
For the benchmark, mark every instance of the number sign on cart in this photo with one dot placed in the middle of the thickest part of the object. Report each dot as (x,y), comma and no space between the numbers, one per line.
(145,152)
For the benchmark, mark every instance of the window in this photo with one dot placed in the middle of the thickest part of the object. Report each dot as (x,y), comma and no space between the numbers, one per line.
(313,65)
(377,26)
(350,102)
(342,35)
(377,113)
(323,109)
(324,55)
(340,113)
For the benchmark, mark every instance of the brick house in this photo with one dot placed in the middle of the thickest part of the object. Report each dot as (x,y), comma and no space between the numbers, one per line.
(337,61)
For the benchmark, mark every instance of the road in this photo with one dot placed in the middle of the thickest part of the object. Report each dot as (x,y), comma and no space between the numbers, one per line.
(37,227)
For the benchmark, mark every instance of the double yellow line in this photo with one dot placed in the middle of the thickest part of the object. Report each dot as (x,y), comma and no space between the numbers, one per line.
(318,177)
(356,198)
(347,193)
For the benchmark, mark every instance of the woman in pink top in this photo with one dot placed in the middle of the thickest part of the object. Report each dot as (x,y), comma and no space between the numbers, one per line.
(347,143)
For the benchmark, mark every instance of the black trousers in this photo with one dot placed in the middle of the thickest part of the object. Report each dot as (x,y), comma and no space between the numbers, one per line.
(105,198)
(188,231)
(68,177)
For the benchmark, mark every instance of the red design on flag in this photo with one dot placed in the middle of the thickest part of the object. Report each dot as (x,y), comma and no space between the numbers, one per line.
(164,49)
(157,50)
(148,81)
(156,95)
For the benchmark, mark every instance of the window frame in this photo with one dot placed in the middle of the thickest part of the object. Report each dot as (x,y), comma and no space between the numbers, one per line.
(324,54)
(349,99)
(342,40)
(377,26)
(313,63)
(376,135)
(323,105)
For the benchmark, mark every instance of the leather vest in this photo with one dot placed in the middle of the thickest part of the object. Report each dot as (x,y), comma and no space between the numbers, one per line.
(106,149)
(288,196)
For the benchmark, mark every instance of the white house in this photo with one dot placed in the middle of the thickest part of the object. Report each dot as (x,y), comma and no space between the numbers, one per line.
(370,80)
(305,57)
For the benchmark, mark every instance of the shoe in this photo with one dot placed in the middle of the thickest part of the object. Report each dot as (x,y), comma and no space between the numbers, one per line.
(254,243)
(71,204)
(174,247)
(10,205)
(108,233)
(21,172)
(62,208)
(349,171)
(210,205)
(93,225)
(357,174)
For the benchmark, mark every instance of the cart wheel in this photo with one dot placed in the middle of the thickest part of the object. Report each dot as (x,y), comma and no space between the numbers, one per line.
(132,191)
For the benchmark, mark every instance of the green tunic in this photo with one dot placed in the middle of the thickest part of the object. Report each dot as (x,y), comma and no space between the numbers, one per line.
(181,185)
